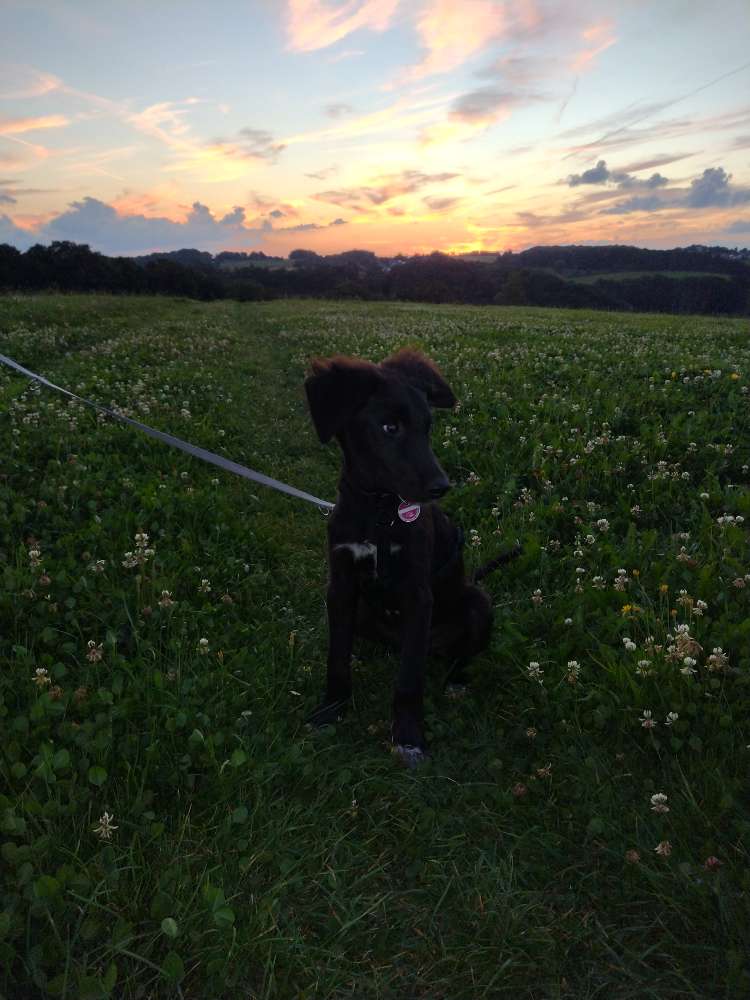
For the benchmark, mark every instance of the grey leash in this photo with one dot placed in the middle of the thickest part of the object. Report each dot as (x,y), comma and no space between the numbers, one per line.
(175,442)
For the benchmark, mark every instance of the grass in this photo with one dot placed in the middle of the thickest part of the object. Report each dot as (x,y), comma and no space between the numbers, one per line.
(249,857)
(589,279)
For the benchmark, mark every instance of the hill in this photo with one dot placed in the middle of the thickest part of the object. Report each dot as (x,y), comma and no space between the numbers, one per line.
(697,279)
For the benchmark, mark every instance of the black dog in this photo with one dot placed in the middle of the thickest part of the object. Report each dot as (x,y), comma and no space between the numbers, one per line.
(396,561)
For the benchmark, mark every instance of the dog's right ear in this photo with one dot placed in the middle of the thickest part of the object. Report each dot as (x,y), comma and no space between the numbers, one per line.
(336,389)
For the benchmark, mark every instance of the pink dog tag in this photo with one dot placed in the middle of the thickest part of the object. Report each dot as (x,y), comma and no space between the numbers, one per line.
(409,512)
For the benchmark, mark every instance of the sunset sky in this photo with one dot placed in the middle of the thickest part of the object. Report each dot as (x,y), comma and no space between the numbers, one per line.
(387,125)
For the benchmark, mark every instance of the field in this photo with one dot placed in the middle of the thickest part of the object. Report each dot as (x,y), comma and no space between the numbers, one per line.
(169,825)
(630,275)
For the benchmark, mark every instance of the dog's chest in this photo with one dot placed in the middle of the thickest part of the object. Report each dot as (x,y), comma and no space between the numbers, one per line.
(365,555)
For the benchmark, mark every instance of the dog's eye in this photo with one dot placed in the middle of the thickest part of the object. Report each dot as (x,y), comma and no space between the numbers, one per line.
(390,429)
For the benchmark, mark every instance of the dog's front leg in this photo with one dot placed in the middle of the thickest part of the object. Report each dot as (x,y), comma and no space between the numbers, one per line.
(408,698)
(341,600)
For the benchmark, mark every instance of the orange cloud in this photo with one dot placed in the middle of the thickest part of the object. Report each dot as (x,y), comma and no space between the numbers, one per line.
(18,81)
(163,121)
(16,126)
(32,222)
(315,24)
(597,38)
(452,32)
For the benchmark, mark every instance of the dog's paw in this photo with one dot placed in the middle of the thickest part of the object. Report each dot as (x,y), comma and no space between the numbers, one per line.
(328,713)
(409,755)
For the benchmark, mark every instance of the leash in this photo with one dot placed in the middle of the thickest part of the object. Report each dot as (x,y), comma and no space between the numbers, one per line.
(190,449)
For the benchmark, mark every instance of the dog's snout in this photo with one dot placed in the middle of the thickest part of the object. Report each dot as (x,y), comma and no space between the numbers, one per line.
(439,489)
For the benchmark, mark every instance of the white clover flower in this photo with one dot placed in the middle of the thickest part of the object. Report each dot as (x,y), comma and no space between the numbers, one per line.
(534,671)
(41,677)
(718,660)
(646,721)
(671,717)
(574,672)
(95,652)
(659,803)
(203,646)
(629,645)
(663,848)
(105,827)
(165,601)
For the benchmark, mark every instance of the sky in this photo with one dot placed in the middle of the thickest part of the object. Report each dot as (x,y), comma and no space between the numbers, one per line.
(397,126)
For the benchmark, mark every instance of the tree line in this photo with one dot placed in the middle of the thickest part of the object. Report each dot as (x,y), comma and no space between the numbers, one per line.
(711,280)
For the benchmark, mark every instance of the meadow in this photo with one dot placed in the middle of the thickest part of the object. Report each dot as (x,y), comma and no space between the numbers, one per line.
(170,827)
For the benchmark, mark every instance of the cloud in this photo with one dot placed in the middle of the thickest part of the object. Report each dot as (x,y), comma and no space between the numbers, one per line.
(13,234)
(103,228)
(20,82)
(251,144)
(601,174)
(306,227)
(485,105)
(710,189)
(521,71)
(660,160)
(324,174)
(452,33)
(7,199)
(741,226)
(316,24)
(638,204)
(441,204)
(619,126)
(474,112)
(338,110)
(597,38)
(654,181)
(220,159)
(596,175)
(384,189)
(111,232)
(163,121)
(17,126)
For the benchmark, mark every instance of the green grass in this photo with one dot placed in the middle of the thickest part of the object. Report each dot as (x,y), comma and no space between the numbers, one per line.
(252,858)
(628,275)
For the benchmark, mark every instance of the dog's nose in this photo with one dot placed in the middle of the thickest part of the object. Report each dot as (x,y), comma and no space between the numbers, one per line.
(439,489)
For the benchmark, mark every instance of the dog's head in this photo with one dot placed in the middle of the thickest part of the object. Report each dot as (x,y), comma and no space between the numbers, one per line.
(381,416)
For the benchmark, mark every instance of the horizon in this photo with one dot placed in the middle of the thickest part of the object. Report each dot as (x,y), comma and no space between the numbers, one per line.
(457,126)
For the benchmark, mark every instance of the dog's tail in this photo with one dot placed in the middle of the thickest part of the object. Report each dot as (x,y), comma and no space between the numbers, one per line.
(493,564)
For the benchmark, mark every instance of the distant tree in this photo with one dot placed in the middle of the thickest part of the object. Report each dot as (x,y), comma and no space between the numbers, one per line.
(10,266)
(304,258)
(513,292)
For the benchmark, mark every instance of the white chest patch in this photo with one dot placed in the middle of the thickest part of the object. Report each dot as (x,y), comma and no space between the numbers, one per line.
(365,550)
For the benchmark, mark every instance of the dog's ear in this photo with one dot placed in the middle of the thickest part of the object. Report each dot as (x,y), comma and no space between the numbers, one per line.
(336,388)
(423,374)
